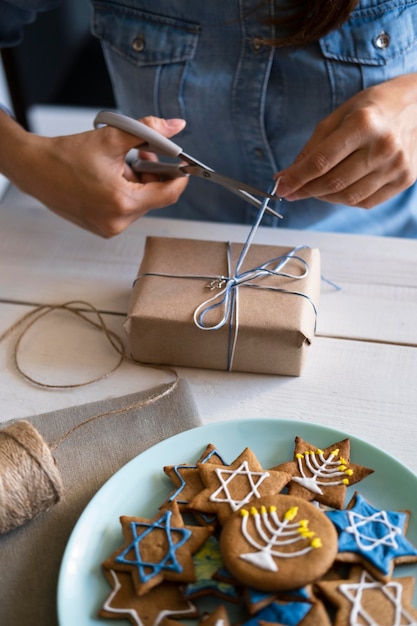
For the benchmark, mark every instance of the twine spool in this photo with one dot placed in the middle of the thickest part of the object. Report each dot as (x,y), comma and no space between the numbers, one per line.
(29,479)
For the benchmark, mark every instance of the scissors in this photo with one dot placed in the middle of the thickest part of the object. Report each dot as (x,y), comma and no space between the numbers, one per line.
(154,142)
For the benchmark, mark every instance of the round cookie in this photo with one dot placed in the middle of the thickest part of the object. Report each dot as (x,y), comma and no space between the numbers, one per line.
(278,542)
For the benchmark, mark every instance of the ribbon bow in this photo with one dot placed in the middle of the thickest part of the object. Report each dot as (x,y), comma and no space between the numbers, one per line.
(227,298)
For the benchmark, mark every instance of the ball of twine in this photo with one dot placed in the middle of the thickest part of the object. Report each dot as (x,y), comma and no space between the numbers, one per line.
(29,478)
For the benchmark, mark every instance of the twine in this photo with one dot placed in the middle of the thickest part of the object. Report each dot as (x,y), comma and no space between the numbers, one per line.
(30,481)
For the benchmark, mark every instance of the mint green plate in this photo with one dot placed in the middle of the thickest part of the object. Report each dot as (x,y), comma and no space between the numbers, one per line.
(139,487)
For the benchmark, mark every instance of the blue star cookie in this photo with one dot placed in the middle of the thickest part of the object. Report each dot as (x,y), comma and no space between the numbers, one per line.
(158,549)
(373,537)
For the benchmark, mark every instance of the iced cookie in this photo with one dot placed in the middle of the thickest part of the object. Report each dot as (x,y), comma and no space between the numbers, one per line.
(374,538)
(158,549)
(230,487)
(186,478)
(361,599)
(323,474)
(148,610)
(279,542)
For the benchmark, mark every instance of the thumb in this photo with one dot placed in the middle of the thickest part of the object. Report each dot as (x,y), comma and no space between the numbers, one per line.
(167,128)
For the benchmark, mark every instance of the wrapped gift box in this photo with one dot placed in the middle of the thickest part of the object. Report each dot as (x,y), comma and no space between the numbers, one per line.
(271,325)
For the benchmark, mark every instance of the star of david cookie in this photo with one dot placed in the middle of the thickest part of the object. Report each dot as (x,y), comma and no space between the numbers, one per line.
(323,474)
(279,542)
(165,600)
(361,599)
(186,479)
(230,487)
(158,549)
(373,537)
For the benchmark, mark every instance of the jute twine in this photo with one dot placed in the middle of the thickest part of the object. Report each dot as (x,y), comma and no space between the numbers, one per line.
(29,478)
(30,481)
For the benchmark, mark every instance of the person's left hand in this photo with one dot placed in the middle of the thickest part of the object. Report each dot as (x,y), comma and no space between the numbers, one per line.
(363,153)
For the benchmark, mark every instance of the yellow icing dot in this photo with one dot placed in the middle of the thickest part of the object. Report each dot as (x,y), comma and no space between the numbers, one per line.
(244,512)
(253,511)
(272,508)
(299,455)
(343,460)
(336,452)
(291,513)
(345,481)
(303,523)
(316,543)
(306,533)
(349,472)
(319,451)
(263,509)
(342,468)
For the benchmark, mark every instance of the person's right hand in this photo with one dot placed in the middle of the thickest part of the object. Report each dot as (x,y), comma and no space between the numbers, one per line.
(84,177)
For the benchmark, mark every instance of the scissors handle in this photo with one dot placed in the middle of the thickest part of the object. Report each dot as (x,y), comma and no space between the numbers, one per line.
(154,142)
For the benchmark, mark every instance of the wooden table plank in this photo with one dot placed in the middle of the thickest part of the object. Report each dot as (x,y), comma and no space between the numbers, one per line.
(44,258)
(366,389)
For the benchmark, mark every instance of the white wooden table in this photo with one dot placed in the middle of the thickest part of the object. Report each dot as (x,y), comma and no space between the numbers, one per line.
(361,372)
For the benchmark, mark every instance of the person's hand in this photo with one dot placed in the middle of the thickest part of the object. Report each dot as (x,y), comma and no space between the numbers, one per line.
(362,154)
(84,177)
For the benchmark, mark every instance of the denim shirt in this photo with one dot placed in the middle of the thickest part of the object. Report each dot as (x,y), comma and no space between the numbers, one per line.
(250,108)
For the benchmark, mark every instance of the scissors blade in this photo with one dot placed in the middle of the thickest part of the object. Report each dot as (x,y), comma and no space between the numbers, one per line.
(225,181)
(174,170)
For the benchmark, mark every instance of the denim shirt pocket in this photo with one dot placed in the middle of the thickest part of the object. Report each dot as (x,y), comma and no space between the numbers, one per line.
(147,55)
(377,43)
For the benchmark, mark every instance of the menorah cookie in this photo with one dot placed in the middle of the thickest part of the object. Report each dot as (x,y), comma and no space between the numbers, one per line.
(278,542)
(361,599)
(158,549)
(323,474)
(230,487)
(372,537)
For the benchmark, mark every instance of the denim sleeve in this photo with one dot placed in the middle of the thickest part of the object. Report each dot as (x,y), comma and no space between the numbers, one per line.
(15,14)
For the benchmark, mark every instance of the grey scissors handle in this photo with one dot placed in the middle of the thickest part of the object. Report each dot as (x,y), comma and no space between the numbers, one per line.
(154,142)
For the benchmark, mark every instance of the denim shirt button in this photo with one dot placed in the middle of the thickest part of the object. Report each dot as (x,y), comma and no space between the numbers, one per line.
(138,44)
(382,40)
(257,44)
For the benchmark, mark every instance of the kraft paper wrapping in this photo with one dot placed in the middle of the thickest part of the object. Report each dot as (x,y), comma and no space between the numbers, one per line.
(275,329)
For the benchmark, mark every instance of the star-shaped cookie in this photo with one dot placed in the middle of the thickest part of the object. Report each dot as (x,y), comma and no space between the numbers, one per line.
(323,474)
(158,549)
(361,599)
(373,537)
(230,487)
(186,478)
(162,601)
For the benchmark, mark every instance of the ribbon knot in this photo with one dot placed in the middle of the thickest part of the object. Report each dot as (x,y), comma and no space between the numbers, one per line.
(227,298)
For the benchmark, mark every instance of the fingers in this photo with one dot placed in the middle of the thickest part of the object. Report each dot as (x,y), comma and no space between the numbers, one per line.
(168,128)
(117,142)
(361,162)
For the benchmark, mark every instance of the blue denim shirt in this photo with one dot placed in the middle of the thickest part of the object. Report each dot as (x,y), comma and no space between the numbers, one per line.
(250,108)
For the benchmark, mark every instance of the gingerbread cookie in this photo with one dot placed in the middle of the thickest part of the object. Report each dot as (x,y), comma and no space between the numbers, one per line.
(230,487)
(162,601)
(158,549)
(361,599)
(186,479)
(323,474)
(280,542)
(373,537)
